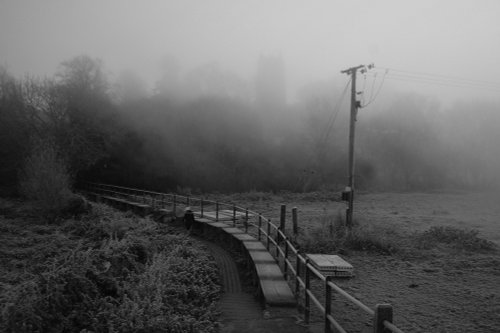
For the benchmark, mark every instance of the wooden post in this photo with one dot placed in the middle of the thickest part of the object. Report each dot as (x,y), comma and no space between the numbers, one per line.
(259,232)
(278,250)
(383,312)
(328,303)
(294,221)
(268,233)
(216,211)
(201,207)
(246,220)
(282,221)
(285,265)
(307,301)
(234,215)
(297,271)
(352,126)
(188,201)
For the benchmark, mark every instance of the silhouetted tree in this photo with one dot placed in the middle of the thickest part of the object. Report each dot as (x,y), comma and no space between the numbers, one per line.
(87,111)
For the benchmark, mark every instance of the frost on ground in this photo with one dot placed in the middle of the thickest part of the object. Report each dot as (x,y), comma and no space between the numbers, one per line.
(438,264)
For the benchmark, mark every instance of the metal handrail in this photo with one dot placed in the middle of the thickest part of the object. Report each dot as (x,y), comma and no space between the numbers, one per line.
(300,259)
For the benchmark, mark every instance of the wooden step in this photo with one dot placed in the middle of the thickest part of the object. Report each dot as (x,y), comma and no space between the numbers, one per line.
(273,287)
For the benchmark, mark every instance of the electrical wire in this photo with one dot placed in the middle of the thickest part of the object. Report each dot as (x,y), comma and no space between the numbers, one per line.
(373,98)
(334,114)
(427,78)
(372,89)
(444,77)
(363,90)
(440,83)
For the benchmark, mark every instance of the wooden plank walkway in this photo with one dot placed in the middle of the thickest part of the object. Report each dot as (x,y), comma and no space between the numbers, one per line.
(275,290)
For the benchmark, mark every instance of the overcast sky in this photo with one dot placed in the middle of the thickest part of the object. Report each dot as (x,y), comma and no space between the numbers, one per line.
(316,38)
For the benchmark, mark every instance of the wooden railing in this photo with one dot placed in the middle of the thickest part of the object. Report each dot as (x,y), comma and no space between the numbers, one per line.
(296,267)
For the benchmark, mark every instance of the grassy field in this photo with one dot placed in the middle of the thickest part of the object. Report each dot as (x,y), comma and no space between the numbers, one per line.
(433,256)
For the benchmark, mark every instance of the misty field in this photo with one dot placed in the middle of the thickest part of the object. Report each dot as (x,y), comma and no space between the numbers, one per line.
(433,256)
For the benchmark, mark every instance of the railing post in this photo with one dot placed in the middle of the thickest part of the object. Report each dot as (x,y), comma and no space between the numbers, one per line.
(268,233)
(328,303)
(216,211)
(246,220)
(383,312)
(294,221)
(188,201)
(201,208)
(307,305)
(259,232)
(282,222)
(277,249)
(234,215)
(297,274)
(285,265)
(163,200)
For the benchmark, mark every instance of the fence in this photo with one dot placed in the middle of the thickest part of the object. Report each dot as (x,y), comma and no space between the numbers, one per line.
(299,271)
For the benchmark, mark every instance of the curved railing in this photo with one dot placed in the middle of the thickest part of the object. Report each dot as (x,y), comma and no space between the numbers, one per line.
(274,236)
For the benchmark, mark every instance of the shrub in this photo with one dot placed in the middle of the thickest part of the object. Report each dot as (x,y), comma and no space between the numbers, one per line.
(45,178)
(60,299)
(461,239)
(327,237)
(116,284)
(373,238)
(332,235)
(171,294)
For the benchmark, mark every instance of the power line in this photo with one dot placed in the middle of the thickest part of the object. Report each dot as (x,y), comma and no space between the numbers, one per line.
(334,114)
(373,98)
(372,90)
(440,80)
(442,83)
(440,76)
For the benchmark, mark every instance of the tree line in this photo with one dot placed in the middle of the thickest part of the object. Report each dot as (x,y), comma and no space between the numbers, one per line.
(225,143)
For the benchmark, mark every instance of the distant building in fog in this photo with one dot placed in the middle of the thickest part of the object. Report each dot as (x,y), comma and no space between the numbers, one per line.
(270,85)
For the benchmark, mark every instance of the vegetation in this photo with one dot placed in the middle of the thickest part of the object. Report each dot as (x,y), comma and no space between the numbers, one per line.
(103,272)
(208,137)
(332,235)
(461,239)
(45,179)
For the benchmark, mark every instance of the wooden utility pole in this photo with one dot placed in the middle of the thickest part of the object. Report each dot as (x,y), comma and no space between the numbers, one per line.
(352,126)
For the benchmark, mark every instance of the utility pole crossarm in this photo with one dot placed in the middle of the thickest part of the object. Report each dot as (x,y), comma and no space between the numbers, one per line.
(351,70)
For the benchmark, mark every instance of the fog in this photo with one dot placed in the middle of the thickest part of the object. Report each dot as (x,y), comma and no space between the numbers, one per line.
(316,39)
(233,95)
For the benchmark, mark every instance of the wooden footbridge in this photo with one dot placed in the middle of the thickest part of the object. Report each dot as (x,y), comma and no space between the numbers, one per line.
(283,274)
